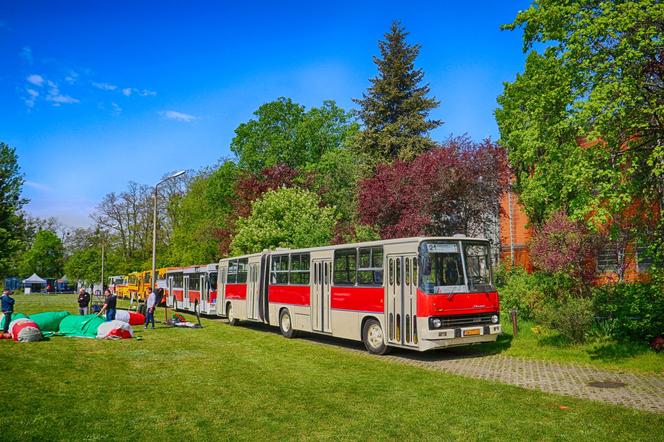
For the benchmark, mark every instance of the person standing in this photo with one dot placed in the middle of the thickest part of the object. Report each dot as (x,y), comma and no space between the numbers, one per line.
(110,304)
(150,306)
(7,308)
(83,301)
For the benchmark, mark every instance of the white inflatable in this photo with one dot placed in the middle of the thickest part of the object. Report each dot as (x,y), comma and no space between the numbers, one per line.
(115,330)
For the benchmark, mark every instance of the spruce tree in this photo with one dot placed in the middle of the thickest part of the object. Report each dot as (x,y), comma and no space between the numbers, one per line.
(395,108)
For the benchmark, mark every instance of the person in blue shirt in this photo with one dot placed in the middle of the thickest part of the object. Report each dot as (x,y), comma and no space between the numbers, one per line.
(7,308)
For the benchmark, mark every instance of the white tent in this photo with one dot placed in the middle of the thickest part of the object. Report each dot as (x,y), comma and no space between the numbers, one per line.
(34,279)
(33,283)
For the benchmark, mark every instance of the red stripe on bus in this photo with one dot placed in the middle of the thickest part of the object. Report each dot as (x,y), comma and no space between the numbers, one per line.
(456,304)
(178,294)
(236,291)
(365,299)
(194,295)
(213,296)
(290,294)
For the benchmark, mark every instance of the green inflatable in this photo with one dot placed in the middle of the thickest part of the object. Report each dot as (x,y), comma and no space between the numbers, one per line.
(49,321)
(14,316)
(80,326)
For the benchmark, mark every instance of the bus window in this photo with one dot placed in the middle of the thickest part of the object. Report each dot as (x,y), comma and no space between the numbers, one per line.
(242,265)
(279,273)
(441,270)
(299,269)
(478,266)
(213,281)
(232,272)
(370,267)
(345,265)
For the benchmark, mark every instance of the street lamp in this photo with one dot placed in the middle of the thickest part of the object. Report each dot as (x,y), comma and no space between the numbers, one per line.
(154,226)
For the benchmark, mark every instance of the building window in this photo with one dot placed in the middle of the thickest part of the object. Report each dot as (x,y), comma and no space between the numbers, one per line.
(643,259)
(607,260)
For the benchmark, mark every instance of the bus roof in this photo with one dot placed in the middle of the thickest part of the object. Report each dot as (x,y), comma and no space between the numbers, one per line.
(415,239)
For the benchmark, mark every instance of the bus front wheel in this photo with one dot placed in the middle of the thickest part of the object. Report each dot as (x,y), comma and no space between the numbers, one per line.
(373,338)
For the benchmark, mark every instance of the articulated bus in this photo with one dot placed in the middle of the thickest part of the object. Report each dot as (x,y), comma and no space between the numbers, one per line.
(415,293)
(193,289)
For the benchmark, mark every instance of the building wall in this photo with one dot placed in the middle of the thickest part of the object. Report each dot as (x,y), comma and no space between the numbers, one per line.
(516,233)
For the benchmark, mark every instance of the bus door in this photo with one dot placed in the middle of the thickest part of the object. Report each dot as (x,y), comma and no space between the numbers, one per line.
(205,287)
(170,297)
(221,289)
(401,302)
(320,295)
(185,292)
(253,293)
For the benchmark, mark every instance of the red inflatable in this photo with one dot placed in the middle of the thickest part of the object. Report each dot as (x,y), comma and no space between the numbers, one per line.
(131,318)
(25,330)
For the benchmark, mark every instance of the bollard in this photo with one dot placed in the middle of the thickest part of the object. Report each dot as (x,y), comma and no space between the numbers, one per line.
(515,328)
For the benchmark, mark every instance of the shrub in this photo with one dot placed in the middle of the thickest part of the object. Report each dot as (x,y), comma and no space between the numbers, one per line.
(571,317)
(529,292)
(637,309)
(562,245)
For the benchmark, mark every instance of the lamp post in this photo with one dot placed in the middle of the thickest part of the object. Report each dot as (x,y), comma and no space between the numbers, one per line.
(154,227)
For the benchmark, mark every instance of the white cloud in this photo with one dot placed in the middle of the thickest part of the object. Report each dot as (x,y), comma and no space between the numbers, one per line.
(38,186)
(146,93)
(31,99)
(105,86)
(116,110)
(141,92)
(55,97)
(178,116)
(35,79)
(71,77)
(26,54)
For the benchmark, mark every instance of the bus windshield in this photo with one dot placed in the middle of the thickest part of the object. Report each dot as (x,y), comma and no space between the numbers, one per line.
(441,267)
(478,266)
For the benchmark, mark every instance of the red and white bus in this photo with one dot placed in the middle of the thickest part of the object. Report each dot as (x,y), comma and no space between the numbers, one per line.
(193,289)
(416,293)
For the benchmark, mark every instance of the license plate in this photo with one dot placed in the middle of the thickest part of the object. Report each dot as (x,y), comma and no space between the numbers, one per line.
(473,332)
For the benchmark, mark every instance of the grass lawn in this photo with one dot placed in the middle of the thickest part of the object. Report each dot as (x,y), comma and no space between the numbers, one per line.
(223,382)
(534,343)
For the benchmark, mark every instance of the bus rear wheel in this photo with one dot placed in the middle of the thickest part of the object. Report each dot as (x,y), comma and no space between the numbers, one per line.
(232,320)
(286,325)
(374,338)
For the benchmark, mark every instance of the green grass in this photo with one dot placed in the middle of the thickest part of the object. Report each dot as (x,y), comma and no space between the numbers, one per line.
(222,382)
(537,343)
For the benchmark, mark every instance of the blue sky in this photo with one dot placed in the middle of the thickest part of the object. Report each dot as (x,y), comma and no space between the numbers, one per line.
(96,94)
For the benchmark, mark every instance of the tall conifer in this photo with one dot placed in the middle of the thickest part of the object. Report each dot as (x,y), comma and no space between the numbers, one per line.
(395,108)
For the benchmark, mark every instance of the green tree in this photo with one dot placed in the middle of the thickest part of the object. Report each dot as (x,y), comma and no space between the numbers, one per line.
(395,108)
(286,217)
(584,123)
(200,214)
(11,221)
(45,257)
(85,265)
(284,133)
(334,178)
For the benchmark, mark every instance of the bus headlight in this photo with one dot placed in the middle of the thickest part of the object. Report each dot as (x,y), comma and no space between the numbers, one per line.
(494,319)
(436,322)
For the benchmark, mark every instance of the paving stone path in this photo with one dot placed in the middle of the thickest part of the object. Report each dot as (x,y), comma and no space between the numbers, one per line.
(640,391)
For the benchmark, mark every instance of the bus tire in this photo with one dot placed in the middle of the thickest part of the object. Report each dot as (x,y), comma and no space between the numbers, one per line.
(374,338)
(232,320)
(286,324)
